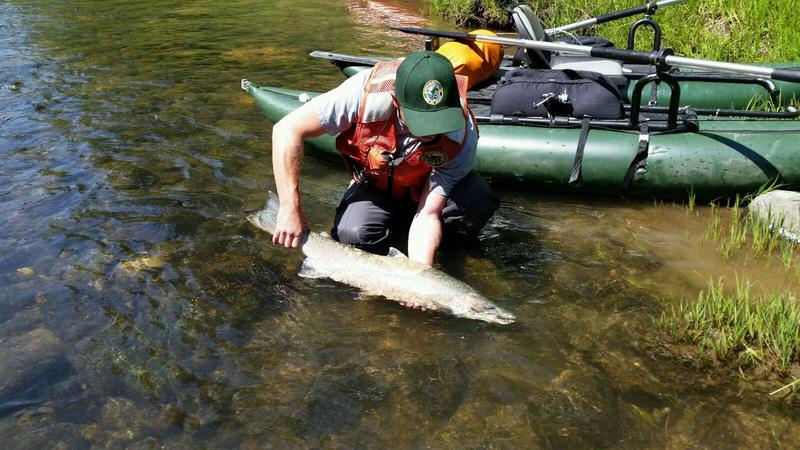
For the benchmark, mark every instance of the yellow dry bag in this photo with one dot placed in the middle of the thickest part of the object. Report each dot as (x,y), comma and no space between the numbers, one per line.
(476,60)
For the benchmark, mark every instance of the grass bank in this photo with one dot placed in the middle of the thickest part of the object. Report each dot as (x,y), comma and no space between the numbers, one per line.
(728,30)
(737,326)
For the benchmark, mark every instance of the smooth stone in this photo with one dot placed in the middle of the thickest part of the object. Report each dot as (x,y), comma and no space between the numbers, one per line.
(778,204)
(25,357)
(21,322)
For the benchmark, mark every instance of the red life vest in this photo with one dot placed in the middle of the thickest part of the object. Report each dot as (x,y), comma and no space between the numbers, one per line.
(369,146)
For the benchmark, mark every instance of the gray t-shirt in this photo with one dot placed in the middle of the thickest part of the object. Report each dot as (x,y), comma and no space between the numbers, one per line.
(338,110)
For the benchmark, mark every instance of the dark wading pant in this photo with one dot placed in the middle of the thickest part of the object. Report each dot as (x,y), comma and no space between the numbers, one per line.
(373,221)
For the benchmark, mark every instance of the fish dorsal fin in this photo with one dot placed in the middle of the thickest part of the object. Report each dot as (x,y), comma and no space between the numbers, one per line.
(395,253)
(308,270)
(325,235)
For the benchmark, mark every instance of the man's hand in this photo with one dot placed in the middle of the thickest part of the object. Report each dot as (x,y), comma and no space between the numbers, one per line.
(289,228)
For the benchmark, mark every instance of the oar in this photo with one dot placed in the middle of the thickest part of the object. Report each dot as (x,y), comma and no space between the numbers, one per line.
(648,8)
(662,58)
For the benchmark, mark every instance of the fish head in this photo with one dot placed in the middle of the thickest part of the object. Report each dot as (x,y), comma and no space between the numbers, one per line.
(477,307)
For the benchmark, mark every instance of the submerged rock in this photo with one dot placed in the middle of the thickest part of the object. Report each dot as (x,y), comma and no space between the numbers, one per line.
(486,425)
(26,357)
(21,322)
(123,424)
(132,267)
(781,209)
(45,434)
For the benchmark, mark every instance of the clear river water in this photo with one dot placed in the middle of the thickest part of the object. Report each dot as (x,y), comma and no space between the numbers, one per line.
(139,309)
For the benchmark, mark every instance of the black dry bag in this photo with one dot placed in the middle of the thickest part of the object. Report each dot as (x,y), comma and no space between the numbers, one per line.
(544,93)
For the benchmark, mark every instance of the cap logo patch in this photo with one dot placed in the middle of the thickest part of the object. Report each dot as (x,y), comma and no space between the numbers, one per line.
(434,158)
(432,92)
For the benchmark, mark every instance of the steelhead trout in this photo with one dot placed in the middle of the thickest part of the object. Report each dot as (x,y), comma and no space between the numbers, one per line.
(394,276)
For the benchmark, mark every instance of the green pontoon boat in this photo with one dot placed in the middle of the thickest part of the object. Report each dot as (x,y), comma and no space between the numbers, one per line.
(711,156)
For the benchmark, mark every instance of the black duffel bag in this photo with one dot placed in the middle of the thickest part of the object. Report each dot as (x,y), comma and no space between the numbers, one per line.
(544,93)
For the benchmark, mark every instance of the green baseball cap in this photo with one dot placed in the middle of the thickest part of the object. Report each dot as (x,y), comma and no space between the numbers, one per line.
(426,89)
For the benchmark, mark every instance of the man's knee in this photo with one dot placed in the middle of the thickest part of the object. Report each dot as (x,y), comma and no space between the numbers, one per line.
(362,221)
(359,235)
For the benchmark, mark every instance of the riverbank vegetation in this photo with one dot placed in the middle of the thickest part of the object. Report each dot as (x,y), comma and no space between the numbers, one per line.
(754,236)
(737,325)
(750,330)
(728,30)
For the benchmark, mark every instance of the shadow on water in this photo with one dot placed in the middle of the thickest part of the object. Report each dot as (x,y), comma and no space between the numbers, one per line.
(131,159)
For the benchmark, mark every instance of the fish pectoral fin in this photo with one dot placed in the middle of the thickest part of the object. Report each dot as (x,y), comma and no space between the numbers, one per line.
(308,270)
(395,253)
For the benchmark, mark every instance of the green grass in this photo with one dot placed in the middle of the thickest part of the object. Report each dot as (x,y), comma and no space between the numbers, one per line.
(742,232)
(473,12)
(734,325)
(692,199)
(714,226)
(746,232)
(726,30)
(762,330)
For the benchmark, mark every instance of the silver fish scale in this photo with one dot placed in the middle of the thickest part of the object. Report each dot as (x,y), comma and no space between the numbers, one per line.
(391,277)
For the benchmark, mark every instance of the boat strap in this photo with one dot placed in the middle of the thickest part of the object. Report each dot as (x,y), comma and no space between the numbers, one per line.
(577,165)
(654,93)
(639,162)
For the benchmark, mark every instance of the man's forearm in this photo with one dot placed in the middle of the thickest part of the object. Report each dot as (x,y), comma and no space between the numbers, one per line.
(424,237)
(287,157)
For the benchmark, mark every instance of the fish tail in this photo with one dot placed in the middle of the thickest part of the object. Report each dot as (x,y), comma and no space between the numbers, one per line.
(267,218)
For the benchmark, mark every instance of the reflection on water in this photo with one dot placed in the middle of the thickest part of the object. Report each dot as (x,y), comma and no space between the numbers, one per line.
(372,20)
(138,308)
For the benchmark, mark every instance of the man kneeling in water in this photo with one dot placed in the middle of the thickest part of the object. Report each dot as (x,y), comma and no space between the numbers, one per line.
(409,140)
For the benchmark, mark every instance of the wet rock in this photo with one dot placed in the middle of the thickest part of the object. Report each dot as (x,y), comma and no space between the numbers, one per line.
(57,436)
(779,206)
(584,406)
(633,379)
(150,443)
(122,424)
(337,402)
(15,86)
(143,263)
(21,322)
(439,388)
(26,357)
(721,423)
(15,297)
(487,425)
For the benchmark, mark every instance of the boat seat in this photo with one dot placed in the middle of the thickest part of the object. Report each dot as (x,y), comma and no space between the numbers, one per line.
(610,68)
(530,27)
